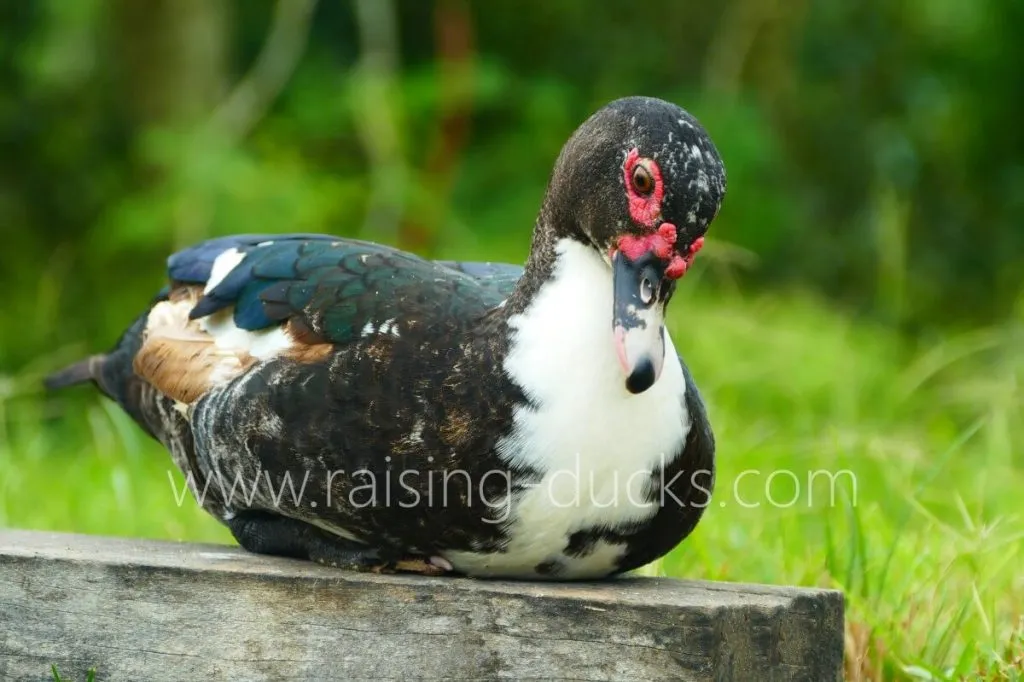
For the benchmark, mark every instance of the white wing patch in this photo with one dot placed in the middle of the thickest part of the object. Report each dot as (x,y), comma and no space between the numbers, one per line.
(222,266)
(262,344)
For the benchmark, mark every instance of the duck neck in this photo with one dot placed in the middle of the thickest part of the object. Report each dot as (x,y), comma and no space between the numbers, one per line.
(554,223)
(539,268)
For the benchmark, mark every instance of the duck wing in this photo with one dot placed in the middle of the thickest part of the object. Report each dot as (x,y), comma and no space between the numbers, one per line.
(234,301)
(500,278)
(195,265)
(328,289)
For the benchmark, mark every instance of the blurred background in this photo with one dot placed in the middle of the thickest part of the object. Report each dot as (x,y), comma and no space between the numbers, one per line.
(858,304)
(874,149)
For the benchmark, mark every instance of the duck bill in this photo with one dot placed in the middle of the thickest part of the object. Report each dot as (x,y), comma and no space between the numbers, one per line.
(638,326)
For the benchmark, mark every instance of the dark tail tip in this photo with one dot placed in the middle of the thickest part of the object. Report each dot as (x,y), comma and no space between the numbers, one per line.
(81,372)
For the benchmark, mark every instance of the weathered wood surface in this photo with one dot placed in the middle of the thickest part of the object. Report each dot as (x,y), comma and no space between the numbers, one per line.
(144,610)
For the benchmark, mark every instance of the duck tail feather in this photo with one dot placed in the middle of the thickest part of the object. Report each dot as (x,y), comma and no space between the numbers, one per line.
(80,372)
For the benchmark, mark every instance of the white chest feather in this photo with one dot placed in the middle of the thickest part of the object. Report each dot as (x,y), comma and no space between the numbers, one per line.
(596,443)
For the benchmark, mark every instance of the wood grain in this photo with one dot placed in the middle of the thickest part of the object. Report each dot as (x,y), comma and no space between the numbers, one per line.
(147,610)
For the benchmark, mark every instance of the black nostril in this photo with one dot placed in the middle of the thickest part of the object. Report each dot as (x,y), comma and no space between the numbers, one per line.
(642,377)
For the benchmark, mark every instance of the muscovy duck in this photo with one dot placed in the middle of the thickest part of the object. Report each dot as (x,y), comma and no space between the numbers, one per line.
(352,404)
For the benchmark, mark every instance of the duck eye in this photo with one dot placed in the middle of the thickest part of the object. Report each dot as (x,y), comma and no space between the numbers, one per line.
(646,291)
(643,181)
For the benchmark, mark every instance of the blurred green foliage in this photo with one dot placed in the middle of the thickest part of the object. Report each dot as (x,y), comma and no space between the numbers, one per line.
(876,170)
(874,148)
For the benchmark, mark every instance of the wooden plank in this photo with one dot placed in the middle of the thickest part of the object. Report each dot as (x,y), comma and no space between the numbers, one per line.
(146,610)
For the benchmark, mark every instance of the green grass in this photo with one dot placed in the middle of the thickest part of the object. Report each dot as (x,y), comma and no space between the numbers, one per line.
(927,545)
(90,675)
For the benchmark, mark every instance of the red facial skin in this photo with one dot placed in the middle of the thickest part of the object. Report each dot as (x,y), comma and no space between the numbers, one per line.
(646,210)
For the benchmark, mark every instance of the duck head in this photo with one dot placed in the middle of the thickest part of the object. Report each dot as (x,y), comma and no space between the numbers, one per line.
(640,181)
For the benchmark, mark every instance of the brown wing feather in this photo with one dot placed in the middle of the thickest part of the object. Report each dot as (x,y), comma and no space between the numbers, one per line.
(177,357)
(181,360)
(308,347)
